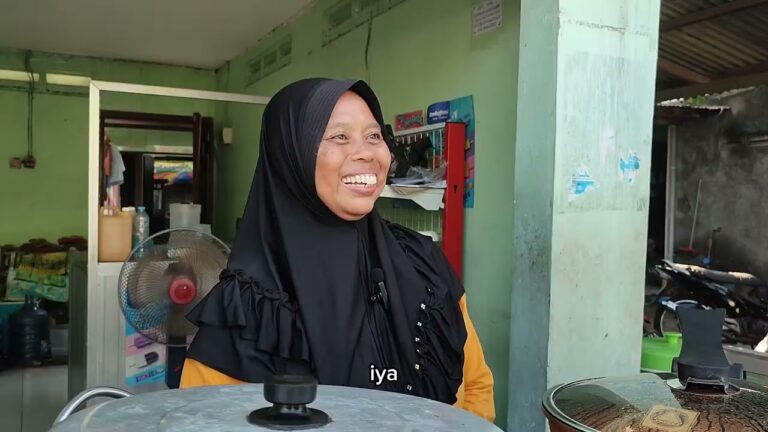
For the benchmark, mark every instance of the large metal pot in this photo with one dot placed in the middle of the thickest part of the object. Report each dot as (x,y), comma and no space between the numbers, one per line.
(705,394)
(655,403)
(244,408)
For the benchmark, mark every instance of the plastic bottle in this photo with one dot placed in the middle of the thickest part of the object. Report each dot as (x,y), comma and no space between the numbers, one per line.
(140,229)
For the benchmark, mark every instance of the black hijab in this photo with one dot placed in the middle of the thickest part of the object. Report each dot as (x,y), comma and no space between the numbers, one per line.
(296,296)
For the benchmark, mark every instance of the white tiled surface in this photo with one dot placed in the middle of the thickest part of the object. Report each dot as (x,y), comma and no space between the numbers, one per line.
(31,398)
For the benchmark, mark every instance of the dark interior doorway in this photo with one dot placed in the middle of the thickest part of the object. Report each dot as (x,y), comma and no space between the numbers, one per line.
(657,206)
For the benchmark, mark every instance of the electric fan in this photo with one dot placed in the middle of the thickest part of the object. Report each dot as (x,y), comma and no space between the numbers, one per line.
(162,280)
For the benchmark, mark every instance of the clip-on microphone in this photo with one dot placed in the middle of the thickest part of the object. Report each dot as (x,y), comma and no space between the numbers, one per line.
(380,291)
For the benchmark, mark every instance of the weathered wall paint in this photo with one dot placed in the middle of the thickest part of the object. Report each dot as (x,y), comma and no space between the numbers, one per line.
(585,100)
(533,195)
(420,52)
(50,200)
(734,188)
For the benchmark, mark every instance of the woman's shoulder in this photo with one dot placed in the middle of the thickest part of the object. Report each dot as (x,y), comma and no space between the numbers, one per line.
(411,238)
(418,245)
(427,258)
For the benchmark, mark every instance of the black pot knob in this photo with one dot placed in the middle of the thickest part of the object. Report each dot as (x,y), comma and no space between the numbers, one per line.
(290,395)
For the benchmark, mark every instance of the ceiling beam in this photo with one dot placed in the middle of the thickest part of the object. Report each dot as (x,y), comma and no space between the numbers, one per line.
(710,13)
(716,86)
(746,70)
(682,72)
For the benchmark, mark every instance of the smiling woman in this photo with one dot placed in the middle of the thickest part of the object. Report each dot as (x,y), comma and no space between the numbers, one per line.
(352,161)
(318,283)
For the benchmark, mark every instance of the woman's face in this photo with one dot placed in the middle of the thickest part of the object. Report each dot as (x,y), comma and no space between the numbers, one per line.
(352,161)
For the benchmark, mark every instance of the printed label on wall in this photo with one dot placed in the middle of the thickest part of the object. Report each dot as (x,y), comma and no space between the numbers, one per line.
(486,16)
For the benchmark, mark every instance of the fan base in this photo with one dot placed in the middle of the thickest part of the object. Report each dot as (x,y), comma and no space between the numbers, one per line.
(271,418)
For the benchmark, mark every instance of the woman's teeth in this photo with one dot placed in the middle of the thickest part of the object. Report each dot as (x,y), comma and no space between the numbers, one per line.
(363,179)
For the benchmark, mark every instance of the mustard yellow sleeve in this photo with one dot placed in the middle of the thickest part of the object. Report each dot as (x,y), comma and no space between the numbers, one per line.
(476,392)
(196,374)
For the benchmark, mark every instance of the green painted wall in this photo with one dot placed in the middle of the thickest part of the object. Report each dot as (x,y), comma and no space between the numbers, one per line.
(58,185)
(422,51)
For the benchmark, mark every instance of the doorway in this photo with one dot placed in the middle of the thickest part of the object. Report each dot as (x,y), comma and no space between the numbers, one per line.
(155,176)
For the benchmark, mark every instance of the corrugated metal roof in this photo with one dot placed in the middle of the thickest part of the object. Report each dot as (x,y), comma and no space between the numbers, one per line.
(676,114)
(710,40)
(683,103)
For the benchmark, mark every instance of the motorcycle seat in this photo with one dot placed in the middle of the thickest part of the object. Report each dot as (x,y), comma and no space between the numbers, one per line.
(736,278)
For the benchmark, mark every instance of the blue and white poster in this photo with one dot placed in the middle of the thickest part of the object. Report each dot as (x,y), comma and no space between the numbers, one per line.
(438,112)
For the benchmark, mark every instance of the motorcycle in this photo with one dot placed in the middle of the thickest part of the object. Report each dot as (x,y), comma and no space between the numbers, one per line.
(743,296)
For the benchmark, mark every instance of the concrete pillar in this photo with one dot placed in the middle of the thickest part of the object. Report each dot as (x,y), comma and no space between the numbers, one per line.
(584,120)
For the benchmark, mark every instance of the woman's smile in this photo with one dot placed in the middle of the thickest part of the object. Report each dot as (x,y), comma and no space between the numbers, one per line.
(362,184)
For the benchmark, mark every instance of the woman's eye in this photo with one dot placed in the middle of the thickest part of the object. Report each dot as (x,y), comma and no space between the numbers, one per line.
(375,136)
(339,137)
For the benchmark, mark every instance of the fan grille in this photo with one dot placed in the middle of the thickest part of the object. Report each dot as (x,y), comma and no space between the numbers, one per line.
(143,288)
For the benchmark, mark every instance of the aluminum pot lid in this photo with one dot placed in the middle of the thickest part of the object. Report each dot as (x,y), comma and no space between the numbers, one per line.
(657,403)
(220,408)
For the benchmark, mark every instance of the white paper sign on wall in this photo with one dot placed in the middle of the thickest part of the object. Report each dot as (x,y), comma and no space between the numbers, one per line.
(486,16)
